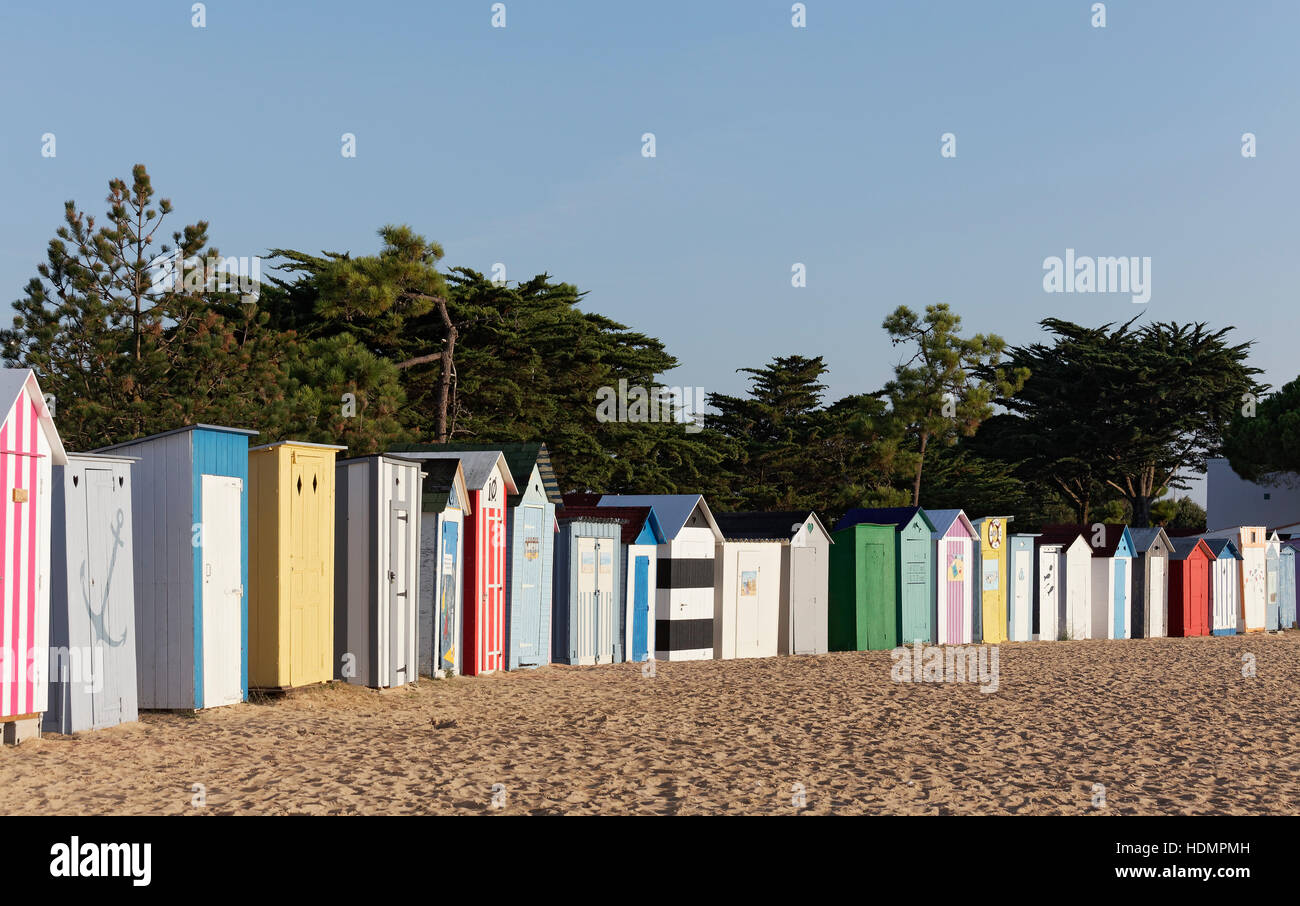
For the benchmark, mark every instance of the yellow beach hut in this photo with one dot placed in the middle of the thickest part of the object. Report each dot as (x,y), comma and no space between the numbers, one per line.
(991,577)
(291,564)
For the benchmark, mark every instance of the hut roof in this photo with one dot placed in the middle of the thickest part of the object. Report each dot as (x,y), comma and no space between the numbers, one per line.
(16,381)
(520,459)
(673,510)
(1222,547)
(781,525)
(897,516)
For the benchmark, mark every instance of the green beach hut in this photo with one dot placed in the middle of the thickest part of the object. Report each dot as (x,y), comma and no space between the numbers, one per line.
(913,567)
(862,615)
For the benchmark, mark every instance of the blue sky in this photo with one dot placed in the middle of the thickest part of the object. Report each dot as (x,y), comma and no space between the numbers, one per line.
(775,145)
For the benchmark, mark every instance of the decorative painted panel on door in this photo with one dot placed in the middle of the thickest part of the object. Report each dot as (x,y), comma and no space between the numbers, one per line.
(448,600)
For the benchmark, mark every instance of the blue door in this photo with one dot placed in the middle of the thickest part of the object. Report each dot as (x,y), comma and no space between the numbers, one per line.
(1121,596)
(448,605)
(529,646)
(641,609)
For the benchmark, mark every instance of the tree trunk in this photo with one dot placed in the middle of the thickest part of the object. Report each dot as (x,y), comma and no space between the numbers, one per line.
(920,464)
(448,365)
(1141,511)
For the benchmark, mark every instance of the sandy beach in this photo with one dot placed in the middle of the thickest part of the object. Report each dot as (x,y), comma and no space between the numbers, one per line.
(1168,726)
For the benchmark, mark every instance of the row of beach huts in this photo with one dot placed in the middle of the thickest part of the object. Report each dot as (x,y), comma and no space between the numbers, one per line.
(184,569)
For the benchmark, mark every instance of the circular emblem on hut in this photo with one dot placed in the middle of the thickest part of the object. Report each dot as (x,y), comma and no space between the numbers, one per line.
(995,533)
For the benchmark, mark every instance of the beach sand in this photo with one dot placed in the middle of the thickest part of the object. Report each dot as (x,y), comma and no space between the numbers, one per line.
(1165,725)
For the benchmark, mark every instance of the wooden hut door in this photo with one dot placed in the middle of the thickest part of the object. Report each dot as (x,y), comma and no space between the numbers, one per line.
(641,609)
(528,615)
(1049,588)
(107,624)
(1120,600)
(1157,596)
(1196,602)
(1272,616)
(492,618)
(877,595)
(915,587)
(307,593)
(606,622)
(223,590)
(1022,593)
(400,599)
(746,628)
(447,598)
(807,608)
(582,635)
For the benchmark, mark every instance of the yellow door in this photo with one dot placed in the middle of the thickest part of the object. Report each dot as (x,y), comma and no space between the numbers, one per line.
(993,579)
(307,598)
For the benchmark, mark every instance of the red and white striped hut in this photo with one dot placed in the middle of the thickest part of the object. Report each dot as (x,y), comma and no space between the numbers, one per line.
(29,447)
(483,617)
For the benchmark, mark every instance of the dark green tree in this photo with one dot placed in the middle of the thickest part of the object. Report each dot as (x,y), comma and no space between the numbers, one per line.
(1263,438)
(1130,409)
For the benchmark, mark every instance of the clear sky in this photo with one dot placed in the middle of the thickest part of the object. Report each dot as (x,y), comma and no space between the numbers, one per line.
(774,145)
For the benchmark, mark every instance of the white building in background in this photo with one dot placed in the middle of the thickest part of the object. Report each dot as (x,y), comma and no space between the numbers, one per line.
(1233,501)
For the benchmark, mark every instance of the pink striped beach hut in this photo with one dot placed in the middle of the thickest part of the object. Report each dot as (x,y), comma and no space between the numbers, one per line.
(954,564)
(29,447)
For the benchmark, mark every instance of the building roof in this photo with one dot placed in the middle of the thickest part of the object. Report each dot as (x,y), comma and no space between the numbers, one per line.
(198,427)
(478,466)
(16,381)
(440,477)
(295,443)
(673,510)
(781,525)
(633,519)
(520,459)
(944,519)
(1114,533)
(897,516)
(1182,547)
(1143,538)
(1222,547)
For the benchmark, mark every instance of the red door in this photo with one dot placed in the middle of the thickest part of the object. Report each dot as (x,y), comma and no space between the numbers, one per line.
(1198,596)
(484,623)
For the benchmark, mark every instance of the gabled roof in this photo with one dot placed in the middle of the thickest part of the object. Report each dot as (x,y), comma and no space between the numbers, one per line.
(440,476)
(520,459)
(1059,534)
(1222,547)
(942,521)
(634,519)
(1114,534)
(1181,548)
(478,466)
(673,510)
(1143,538)
(16,381)
(778,526)
(897,516)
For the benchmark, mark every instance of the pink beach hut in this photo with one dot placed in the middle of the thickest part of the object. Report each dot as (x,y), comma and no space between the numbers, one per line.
(954,588)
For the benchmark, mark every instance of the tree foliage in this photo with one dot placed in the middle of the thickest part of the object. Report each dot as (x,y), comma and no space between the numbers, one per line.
(945,388)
